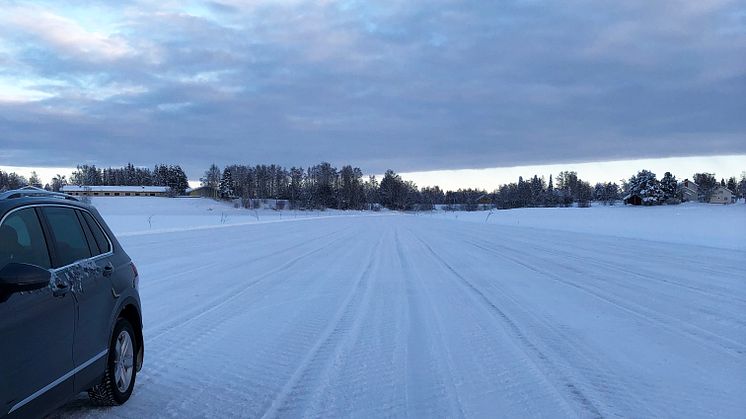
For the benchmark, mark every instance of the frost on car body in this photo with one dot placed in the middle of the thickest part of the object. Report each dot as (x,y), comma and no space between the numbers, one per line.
(73,276)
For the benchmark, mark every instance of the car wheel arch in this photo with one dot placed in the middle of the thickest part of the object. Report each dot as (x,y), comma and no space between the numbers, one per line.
(131,313)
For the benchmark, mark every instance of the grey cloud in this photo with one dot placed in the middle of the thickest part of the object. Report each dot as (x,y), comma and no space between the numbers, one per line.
(410,85)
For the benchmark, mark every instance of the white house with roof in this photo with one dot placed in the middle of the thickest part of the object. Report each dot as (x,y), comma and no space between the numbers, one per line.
(722,195)
(76,190)
(689,190)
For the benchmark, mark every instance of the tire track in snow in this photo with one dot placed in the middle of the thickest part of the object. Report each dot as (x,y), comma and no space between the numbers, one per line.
(241,224)
(573,356)
(724,344)
(509,379)
(160,279)
(316,362)
(569,390)
(420,361)
(736,304)
(210,265)
(200,253)
(363,376)
(204,329)
(212,305)
(729,304)
(595,261)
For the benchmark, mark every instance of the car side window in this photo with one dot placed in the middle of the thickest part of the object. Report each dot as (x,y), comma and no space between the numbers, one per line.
(22,240)
(70,243)
(101,241)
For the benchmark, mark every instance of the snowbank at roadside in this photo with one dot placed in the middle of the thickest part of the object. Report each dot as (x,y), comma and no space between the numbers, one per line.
(150,215)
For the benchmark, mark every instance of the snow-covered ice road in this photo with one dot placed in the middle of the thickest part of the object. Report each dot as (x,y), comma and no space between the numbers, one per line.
(394,316)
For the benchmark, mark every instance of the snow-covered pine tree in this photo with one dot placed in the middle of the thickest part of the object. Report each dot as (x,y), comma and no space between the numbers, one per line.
(372,192)
(227,186)
(551,198)
(58,182)
(178,180)
(567,187)
(732,185)
(585,194)
(647,187)
(599,193)
(130,177)
(524,192)
(669,186)
(34,180)
(537,191)
(611,192)
(707,184)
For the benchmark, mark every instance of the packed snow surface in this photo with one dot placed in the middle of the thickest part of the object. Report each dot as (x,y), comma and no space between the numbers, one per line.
(427,316)
(152,215)
(690,223)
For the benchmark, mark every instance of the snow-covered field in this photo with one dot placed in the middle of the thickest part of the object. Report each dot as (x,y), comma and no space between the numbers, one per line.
(380,315)
(690,223)
(146,215)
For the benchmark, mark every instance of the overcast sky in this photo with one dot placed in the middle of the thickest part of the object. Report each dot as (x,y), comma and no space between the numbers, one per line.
(411,85)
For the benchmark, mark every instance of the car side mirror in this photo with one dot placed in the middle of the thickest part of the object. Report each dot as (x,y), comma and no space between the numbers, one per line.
(23,277)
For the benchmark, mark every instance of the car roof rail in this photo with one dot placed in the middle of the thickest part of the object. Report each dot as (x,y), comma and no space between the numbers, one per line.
(35,193)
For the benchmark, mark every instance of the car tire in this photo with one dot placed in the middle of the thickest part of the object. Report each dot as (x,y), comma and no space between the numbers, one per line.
(116,386)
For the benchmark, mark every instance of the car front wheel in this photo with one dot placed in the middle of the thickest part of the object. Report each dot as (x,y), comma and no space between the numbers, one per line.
(116,386)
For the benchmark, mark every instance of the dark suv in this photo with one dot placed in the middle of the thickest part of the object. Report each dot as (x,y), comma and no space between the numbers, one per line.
(70,318)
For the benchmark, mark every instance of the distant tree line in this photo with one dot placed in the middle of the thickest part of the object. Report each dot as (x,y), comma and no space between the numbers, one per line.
(325,186)
(11,181)
(319,186)
(567,189)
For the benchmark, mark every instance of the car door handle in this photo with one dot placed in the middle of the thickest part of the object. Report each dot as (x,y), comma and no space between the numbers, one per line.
(108,269)
(60,289)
